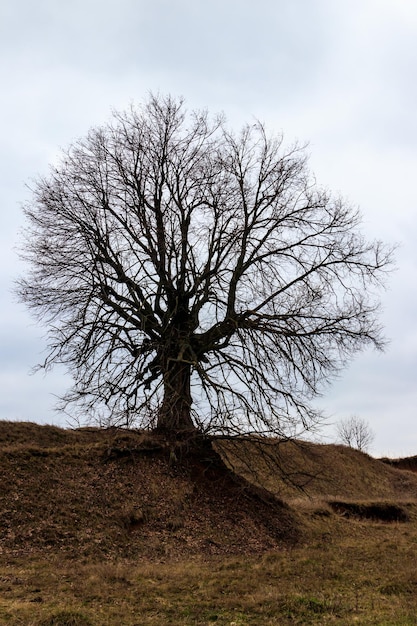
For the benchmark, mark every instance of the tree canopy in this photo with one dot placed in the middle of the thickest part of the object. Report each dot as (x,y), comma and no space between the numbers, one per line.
(191,277)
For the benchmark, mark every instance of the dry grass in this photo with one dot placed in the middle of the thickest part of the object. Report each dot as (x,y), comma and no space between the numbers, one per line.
(117,494)
(333,471)
(97,529)
(366,579)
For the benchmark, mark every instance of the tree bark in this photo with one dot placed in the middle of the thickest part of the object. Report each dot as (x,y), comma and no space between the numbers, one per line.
(175,412)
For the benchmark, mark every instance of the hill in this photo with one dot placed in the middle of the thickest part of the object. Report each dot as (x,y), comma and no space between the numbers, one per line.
(111,527)
(94,493)
(292,469)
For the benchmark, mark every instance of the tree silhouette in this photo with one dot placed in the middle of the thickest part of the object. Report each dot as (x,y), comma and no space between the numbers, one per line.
(355,432)
(192,279)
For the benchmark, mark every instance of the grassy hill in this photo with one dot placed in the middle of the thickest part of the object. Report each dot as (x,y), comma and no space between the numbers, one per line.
(103,527)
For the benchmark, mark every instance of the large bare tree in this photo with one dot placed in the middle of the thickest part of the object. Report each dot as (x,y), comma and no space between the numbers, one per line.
(193,278)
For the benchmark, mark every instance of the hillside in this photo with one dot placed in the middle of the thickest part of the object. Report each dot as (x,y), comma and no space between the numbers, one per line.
(293,469)
(111,527)
(114,493)
(121,493)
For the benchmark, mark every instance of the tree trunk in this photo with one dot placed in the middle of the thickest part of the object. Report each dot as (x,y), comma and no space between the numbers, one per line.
(175,412)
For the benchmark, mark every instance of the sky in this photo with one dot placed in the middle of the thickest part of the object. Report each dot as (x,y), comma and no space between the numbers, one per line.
(338,75)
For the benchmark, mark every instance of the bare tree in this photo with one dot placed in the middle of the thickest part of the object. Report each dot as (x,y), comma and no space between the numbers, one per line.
(355,432)
(193,278)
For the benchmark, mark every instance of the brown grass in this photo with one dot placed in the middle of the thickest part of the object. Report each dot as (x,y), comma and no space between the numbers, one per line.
(369,579)
(118,494)
(331,471)
(98,528)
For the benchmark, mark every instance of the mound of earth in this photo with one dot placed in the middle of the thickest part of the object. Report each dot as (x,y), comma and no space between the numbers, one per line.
(95,493)
(291,469)
(92,492)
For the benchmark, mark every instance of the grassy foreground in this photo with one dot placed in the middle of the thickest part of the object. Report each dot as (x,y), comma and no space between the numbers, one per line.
(370,579)
(70,556)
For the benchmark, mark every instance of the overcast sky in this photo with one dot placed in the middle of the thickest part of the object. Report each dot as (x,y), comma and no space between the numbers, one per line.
(339,75)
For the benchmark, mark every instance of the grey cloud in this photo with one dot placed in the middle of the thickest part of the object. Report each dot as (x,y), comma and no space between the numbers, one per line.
(338,74)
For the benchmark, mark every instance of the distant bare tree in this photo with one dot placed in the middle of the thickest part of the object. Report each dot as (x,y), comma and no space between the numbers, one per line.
(356,433)
(192,279)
